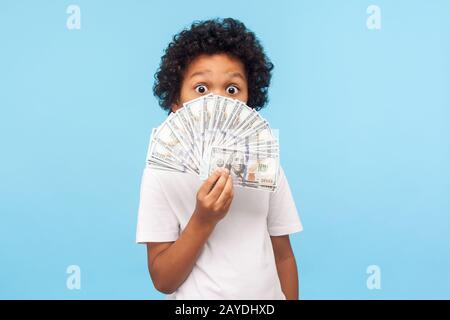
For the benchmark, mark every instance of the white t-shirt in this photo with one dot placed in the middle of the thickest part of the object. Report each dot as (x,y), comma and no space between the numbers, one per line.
(237,261)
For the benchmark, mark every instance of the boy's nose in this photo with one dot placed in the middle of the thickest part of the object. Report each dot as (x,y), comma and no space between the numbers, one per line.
(216,92)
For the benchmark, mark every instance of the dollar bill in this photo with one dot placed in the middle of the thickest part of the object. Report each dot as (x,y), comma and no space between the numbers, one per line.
(241,115)
(182,115)
(248,169)
(175,124)
(166,139)
(194,111)
(213,131)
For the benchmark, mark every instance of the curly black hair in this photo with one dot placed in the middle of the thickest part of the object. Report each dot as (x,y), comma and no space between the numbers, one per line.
(214,36)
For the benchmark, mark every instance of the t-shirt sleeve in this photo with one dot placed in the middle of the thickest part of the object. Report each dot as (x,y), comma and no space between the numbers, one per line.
(156,220)
(283,217)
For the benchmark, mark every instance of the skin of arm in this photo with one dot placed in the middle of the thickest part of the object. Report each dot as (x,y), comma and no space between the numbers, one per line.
(170,263)
(286,266)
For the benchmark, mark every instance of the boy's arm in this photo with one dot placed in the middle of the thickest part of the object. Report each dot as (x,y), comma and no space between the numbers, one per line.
(170,263)
(286,266)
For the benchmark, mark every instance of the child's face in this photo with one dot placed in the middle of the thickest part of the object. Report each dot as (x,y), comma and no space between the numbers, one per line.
(219,74)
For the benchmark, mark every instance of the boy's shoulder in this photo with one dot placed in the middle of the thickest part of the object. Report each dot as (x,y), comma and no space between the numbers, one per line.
(169,178)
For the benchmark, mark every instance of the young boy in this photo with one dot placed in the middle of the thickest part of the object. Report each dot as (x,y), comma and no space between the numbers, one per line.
(209,240)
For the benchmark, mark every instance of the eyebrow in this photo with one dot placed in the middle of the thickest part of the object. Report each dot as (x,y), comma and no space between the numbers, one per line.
(236,74)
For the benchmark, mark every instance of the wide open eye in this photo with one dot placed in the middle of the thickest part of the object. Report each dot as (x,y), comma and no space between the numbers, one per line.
(201,88)
(232,90)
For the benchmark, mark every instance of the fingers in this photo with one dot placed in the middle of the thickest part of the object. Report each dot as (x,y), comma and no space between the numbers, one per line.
(218,188)
(209,183)
(217,191)
(227,204)
(227,193)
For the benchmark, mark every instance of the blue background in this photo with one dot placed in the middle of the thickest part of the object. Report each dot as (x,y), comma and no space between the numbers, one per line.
(364,128)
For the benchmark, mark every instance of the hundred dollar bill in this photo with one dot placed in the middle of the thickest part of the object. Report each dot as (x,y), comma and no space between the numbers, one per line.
(210,113)
(240,116)
(251,125)
(187,124)
(224,113)
(248,169)
(159,156)
(165,137)
(195,112)
(175,124)
(151,163)
(259,135)
(266,147)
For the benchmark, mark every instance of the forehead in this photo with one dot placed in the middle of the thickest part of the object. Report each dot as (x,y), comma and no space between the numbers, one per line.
(220,63)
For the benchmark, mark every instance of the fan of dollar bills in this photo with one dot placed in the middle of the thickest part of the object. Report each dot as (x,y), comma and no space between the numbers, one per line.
(217,132)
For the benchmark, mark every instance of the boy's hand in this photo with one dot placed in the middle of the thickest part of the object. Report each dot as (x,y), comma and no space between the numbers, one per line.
(214,197)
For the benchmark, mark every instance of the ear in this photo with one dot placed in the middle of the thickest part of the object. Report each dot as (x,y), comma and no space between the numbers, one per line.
(175,106)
